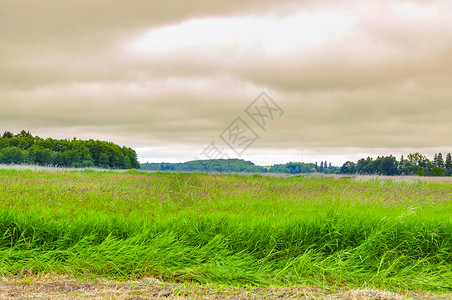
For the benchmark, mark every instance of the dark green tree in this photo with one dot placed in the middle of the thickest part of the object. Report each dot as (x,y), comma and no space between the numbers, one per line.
(437,171)
(7,135)
(438,161)
(24,134)
(420,171)
(448,164)
(43,156)
(104,160)
(12,155)
(348,168)
(388,166)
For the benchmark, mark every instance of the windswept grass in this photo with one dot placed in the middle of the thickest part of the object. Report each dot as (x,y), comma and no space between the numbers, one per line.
(231,229)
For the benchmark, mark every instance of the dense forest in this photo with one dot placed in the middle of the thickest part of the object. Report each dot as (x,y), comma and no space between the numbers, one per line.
(413,164)
(24,148)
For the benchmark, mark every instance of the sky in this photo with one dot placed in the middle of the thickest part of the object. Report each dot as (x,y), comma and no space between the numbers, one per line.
(266,81)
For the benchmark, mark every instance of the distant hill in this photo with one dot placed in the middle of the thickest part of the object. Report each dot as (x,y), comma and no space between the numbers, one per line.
(24,148)
(212,165)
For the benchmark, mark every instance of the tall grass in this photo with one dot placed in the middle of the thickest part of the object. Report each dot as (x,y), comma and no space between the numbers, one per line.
(230,229)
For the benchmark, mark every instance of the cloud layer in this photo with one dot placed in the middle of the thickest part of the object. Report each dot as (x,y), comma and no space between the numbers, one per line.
(352,78)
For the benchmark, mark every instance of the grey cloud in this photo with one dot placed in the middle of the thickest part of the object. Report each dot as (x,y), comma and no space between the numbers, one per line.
(385,86)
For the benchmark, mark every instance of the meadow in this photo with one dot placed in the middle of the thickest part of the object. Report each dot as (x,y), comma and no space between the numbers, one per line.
(237,230)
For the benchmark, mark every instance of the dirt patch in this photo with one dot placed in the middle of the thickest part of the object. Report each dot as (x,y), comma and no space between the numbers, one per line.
(49,287)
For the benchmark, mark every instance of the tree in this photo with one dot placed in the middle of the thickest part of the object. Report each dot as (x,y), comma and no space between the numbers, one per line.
(437,171)
(448,164)
(293,168)
(58,159)
(438,161)
(420,171)
(417,159)
(43,156)
(388,165)
(348,168)
(361,166)
(402,162)
(321,166)
(7,135)
(24,134)
(11,155)
(104,160)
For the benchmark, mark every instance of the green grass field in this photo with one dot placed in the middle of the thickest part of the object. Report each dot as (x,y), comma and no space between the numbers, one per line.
(227,229)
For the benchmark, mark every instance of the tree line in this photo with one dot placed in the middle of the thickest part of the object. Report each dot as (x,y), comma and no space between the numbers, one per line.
(413,164)
(240,165)
(24,148)
(303,168)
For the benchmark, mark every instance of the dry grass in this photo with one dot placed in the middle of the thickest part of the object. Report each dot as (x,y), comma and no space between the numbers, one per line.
(52,287)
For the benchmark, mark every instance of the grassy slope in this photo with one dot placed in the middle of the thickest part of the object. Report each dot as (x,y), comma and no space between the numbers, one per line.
(228,229)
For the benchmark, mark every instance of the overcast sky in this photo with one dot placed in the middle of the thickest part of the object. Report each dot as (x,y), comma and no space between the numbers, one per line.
(346,79)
